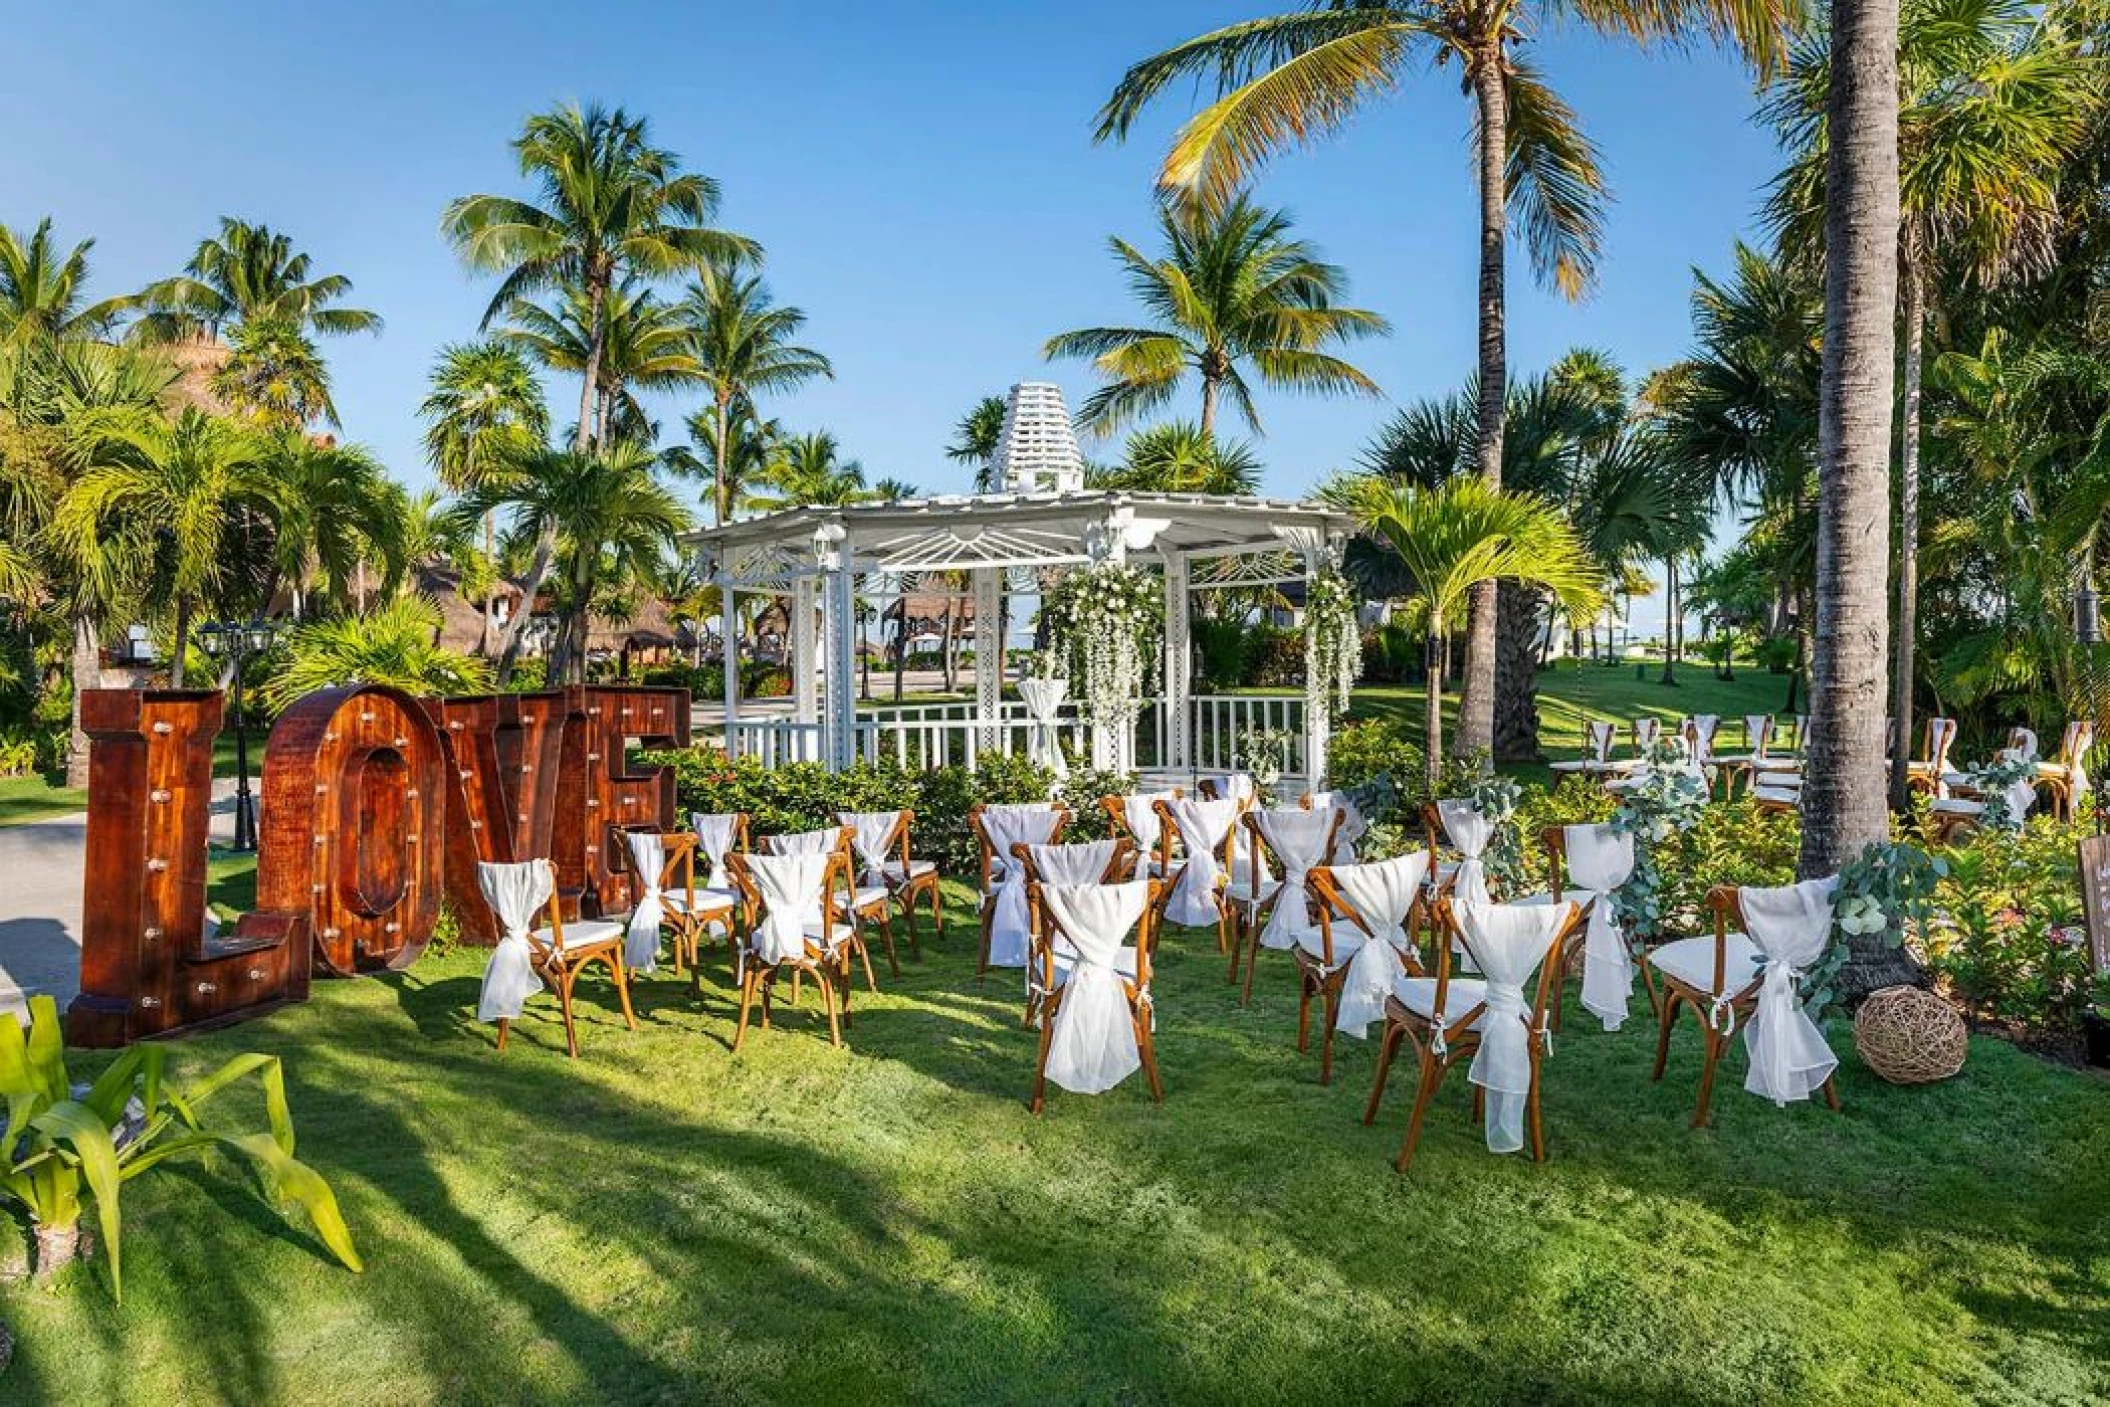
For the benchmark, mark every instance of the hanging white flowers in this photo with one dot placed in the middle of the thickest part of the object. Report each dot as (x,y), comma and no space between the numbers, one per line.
(1333,644)
(1105,619)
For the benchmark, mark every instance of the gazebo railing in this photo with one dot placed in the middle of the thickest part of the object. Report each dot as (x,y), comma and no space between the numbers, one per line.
(1218,721)
(776,741)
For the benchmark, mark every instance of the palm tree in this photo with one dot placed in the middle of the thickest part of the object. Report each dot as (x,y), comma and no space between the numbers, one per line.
(334,513)
(248,272)
(159,494)
(43,292)
(1290,79)
(1995,98)
(397,644)
(1842,792)
(1177,457)
(644,347)
(611,205)
(1233,290)
(737,460)
(612,520)
(485,411)
(274,375)
(811,470)
(975,441)
(1455,537)
(744,342)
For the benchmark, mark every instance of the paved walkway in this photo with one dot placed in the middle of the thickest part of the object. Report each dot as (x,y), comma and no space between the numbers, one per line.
(41,873)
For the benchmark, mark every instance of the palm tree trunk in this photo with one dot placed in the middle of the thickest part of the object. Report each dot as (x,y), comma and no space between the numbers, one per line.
(1432,719)
(87,674)
(483,634)
(182,640)
(590,374)
(530,588)
(1908,527)
(1670,620)
(1209,392)
(718,491)
(1842,794)
(1476,695)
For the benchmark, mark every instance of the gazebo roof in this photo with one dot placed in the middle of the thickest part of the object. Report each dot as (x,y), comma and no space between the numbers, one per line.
(1257,539)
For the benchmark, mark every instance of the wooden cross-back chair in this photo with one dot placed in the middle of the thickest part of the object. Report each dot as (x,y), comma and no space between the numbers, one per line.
(561,951)
(1554,840)
(1321,973)
(1119,868)
(687,912)
(825,953)
(862,906)
(1925,772)
(906,879)
(2061,776)
(737,844)
(1443,1016)
(1250,918)
(1050,941)
(1225,852)
(991,866)
(1719,977)
(1155,854)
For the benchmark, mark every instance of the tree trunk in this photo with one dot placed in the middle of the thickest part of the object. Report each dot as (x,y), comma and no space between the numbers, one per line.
(182,641)
(1208,408)
(1516,676)
(1432,719)
(1908,530)
(590,374)
(530,587)
(87,674)
(1670,621)
(483,633)
(719,497)
(1842,794)
(1476,701)
(57,1248)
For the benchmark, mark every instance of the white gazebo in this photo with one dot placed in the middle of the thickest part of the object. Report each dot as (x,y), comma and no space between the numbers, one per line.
(1017,541)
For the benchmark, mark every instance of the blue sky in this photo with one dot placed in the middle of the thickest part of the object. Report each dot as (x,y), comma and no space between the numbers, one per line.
(921,174)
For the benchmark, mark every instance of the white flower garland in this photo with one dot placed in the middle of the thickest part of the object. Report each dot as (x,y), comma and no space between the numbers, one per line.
(1333,644)
(1106,619)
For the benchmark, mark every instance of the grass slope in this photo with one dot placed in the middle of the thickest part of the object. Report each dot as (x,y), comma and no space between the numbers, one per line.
(664,1221)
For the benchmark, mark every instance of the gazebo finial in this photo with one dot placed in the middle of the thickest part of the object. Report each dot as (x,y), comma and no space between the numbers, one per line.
(1037,449)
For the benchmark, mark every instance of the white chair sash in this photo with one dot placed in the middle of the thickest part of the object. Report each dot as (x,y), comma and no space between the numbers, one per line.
(1298,839)
(1700,729)
(714,841)
(1383,893)
(1082,863)
(1353,825)
(2073,751)
(2023,743)
(870,832)
(1601,735)
(1043,699)
(1646,731)
(1600,860)
(1202,826)
(1027,823)
(648,856)
(1470,832)
(818,842)
(1092,1039)
(516,893)
(1233,786)
(1791,925)
(1758,732)
(1509,941)
(794,896)
(1140,814)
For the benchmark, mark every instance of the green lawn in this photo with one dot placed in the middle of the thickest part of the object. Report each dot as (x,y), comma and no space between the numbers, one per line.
(664,1221)
(32,798)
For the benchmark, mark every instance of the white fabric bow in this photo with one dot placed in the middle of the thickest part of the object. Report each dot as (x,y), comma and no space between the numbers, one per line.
(1791,925)
(1601,859)
(714,840)
(1600,741)
(1298,839)
(1758,730)
(1509,941)
(1092,1040)
(1382,894)
(648,856)
(1043,699)
(1353,826)
(793,891)
(1202,827)
(1028,823)
(869,833)
(516,893)
(1470,832)
(1140,814)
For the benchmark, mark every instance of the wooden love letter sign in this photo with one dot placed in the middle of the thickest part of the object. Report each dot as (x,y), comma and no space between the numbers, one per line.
(502,756)
(353,800)
(150,965)
(598,794)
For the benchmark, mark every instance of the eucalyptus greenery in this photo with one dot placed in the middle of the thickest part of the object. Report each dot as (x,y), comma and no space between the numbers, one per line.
(1667,795)
(1496,799)
(1886,889)
(1994,781)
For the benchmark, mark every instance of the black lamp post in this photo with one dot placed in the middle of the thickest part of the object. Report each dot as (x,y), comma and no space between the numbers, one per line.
(238,644)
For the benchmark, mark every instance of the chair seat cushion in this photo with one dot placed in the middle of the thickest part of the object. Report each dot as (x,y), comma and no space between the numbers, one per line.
(1066,962)
(1348,940)
(1957,806)
(868,896)
(1418,995)
(917,869)
(1580,764)
(1691,961)
(1240,891)
(709,902)
(586,933)
(835,938)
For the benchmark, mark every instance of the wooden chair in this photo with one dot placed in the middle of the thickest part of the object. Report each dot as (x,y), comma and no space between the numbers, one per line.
(1324,958)
(687,913)
(1297,851)
(1195,823)
(1110,861)
(1925,773)
(519,894)
(2063,776)
(1004,906)
(1445,1017)
(718,835)
(783,890)
(1060,949)
(1554,841)
(1136,816)
(862,906)
(881,839)
(1597,744)
(1719,978)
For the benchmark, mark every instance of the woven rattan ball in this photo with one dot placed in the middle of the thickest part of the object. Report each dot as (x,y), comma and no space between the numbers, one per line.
(1909,1036)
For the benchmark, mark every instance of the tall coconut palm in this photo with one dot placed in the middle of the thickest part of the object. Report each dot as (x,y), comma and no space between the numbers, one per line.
(1456,537)
(248,272)
(334,514)
(158,494)
(744,341)
(975,441)
(1995,97)
(1233,291)
(644,348)
(1291,79)
(737,460)
(43,290)
(810,469)
(613,520)
(484,412)
(1842,792)
(1177,457)
(274,376)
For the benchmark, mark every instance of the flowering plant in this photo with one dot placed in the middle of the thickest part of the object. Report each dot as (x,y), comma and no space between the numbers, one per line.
(1333,644)
(1105,619)
(1260,753)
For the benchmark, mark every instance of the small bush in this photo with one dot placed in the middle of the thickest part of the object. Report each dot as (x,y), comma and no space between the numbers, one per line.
(1081,791)
(1378,746)
(2008,938)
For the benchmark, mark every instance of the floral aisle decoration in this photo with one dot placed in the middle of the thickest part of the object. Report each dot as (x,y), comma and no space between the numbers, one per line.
(1105,620)
(1888,889)
(1996,781)
(1333,644)
(1496,798)
(1259,752)
(1666,796)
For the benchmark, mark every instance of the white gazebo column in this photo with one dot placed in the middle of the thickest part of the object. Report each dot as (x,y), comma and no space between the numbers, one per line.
(988,654)
(729,663)
(839,629)
(1318,722)
(1179,667)
(805,652)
